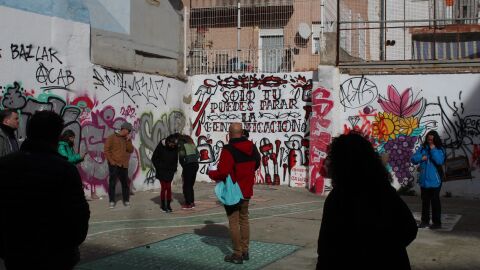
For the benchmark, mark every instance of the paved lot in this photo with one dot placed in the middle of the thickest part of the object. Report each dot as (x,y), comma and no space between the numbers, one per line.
(278,215)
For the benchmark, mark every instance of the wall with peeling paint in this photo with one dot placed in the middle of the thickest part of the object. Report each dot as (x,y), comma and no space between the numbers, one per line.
(45,65)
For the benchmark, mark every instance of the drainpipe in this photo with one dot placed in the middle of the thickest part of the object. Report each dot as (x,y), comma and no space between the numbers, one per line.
(322,25)
(337,56)
(239,27)
(382,29)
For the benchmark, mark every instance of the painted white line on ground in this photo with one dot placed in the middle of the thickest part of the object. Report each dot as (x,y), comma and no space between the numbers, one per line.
(203,215)
(194,225)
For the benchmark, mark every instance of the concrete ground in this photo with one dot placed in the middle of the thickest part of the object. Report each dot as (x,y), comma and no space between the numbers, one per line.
(278,214)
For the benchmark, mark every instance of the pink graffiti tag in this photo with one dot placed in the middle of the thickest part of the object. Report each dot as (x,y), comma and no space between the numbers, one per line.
(94,169)
(320,137)
(128,112)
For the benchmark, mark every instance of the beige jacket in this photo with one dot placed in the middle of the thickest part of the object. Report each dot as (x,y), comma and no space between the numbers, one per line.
(117,150)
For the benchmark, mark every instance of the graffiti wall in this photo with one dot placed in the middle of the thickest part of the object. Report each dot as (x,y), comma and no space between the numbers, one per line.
(322,127)
(44,65)
(396,112)
(274,108)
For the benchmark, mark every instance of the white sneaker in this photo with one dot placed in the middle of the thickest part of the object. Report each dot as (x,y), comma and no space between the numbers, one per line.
(112,205)
(127,204)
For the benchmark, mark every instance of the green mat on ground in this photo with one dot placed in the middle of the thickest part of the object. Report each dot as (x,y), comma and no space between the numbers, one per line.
(191,252)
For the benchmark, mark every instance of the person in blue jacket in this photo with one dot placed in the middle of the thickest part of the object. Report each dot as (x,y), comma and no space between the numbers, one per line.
(65,147)
(430,157)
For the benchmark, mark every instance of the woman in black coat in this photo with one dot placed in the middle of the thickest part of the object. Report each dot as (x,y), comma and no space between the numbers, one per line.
(365,223)
(165,160)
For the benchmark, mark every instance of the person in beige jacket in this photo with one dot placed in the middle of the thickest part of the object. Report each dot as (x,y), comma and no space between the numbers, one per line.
(117,149)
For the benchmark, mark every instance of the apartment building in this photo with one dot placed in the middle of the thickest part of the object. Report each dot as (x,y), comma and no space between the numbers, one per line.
(225,36)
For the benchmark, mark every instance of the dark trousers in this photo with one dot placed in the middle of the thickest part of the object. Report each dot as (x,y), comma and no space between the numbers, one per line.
(189,175)
(122,175)
(431,196)
(166,190)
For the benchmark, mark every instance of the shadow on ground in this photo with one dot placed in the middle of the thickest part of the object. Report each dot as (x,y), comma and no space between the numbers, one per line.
(216,230)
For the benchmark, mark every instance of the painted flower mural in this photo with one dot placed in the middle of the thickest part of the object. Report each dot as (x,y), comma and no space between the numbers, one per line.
(408,125)
(397,130)
(386,126)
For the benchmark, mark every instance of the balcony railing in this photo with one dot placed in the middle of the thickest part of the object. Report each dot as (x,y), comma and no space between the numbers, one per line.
(409,31)
(243,3)
(245,61)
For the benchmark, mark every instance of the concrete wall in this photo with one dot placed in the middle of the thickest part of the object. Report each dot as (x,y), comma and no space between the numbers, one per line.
(396,111)
(275,108)
(144,36)
(45,65)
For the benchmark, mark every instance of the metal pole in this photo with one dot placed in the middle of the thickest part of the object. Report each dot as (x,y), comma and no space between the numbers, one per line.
(382,29)
(337,58)
(322,27)
(239,27)
(434,29)
(404,30)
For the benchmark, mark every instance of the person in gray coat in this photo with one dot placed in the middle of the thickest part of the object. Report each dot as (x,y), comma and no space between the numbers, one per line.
(8,125)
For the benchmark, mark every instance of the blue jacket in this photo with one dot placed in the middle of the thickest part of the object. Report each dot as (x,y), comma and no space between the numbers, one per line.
(429,176)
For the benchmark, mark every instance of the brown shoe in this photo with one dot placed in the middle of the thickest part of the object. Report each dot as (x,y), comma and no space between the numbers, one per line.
(234,259)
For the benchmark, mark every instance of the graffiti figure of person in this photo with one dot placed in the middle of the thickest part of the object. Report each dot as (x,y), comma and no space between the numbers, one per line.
(8,124)
(239,159)
(430,157)
(117,149)
(371,228)
(270,154)
(43,227)
(188,157)
(65,147)
(165,160)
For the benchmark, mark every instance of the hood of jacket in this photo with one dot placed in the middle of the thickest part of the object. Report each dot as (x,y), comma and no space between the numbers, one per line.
(242,144)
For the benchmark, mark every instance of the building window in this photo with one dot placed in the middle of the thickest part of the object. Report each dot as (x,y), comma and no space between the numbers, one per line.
(271,50)
(316,29)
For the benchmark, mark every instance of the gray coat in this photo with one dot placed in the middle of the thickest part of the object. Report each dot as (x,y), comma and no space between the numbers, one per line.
(6,146)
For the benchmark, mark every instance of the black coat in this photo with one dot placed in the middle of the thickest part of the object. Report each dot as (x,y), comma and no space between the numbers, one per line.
(367,230)
(43,212)
(165,161)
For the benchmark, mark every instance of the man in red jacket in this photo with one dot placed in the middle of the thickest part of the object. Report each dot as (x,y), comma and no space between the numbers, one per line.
(239,159)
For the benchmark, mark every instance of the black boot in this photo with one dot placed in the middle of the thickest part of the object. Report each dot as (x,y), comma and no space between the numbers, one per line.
(163,206)
(169,209)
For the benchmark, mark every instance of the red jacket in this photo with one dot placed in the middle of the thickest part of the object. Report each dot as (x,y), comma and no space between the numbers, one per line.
(241,171)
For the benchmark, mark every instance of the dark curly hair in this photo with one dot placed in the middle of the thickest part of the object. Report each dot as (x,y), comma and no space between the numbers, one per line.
(355,165)
(436,139)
